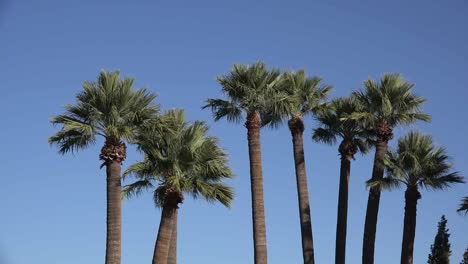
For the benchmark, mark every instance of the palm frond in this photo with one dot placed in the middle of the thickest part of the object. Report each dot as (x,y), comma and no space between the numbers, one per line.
(334,122)
(109,107)
(295,95)
(386,183)
(136,188)
(463,206)
(185,160)
(224,109)
(324,135)
(418,162)
(388,100)
(441,182)
(248,88)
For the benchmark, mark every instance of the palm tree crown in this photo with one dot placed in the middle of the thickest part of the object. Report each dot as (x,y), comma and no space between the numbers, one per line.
(248,89)
(387,104)
(296,96)
(183,161)
(418,163)
(332,125)
(110,108)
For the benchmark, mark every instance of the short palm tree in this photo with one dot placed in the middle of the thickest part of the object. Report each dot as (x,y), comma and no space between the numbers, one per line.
(112,109)
(416,164)
(248,90)
(354,138)
(387,104)
(298,96)
(183,161)
(463,206)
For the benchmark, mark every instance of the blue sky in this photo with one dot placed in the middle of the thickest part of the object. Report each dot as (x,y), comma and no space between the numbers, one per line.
(53,207)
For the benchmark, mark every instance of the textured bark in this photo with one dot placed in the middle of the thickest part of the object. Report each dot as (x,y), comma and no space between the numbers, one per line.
(163,242)
(412,196)
(172,259)
(296,127)
(113,153)
(347,151)
(166,226)
(256,181)
(384,134)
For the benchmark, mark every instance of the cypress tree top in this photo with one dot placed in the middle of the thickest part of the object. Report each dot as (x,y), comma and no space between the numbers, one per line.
(440,249)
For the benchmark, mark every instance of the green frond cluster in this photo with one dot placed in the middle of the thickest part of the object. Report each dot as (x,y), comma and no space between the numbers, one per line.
(186,160)
(296,95)
(417,162)
(390,100)
(332,124)
(247,88)
(109,107)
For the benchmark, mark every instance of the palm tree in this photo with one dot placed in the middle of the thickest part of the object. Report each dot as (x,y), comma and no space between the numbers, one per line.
(248,90)
(354,138)
(185,161)
(416,164)
(296,97)
(463,206)
(112,109)
(387,104)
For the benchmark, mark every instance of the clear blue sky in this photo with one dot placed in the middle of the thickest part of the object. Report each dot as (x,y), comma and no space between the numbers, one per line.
(53,207)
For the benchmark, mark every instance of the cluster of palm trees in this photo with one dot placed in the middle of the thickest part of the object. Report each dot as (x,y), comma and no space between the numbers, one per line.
(181,159)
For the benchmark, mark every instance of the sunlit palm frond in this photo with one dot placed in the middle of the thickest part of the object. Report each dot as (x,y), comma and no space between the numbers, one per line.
(186,160)
(333,124)
(248,88)
(109,107)
(417,162)
(295,95)
(391,100)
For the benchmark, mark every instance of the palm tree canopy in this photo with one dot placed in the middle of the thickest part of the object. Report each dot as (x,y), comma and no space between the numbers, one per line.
(110,107)
(186,160)
(391,100)
(296,95)
(247,88)
(463,205)
(332,124)
(417,162)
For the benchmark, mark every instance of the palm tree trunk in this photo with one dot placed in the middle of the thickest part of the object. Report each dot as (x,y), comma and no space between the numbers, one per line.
(172,259)
(114,212)
(163,242)
(373,203)
(342,218)
(412,196)
(256,181)
(296,127)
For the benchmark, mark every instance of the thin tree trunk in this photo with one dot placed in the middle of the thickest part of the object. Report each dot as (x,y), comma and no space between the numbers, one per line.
(342,218)
(373,203)
(172,259)
(163,242)
(407,246)
(297,129)
(256,181)
(114,212)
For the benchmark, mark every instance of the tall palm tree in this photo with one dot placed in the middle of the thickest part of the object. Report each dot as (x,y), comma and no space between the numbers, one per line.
(463,206)
(388,103)
(354,138)
(112,109)
(416,164)
(297,96)
(184,161)
(248,90)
